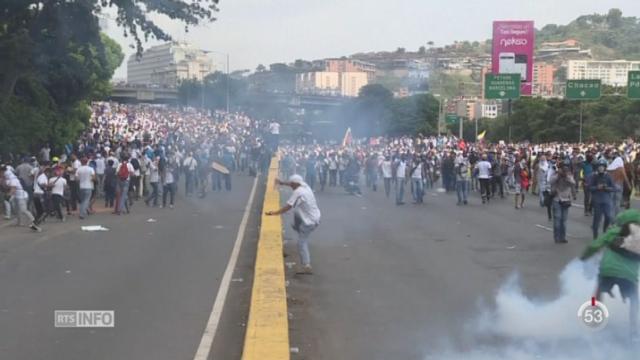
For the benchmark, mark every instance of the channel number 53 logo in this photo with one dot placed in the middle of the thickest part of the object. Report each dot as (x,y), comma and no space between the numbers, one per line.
(593,314)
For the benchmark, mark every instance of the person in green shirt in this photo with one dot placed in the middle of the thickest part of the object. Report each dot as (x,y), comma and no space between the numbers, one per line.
(618,265)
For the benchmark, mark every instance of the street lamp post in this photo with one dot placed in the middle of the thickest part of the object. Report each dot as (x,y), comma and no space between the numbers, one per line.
(227,82)
(439,112)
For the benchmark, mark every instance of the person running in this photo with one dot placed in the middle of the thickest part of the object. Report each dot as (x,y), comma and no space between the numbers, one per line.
(19,197)
(619,266)
(306,217)
(601,186)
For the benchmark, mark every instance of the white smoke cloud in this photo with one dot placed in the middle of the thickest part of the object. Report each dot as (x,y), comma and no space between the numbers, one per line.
(521,328)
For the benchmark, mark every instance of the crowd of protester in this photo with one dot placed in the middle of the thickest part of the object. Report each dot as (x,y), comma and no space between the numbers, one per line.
(553,173)
(135,152)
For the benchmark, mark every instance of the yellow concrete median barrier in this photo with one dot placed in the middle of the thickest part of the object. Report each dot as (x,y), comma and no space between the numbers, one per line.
(267,336)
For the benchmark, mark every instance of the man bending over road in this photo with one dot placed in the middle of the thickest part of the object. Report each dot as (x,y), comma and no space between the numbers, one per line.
(306,216)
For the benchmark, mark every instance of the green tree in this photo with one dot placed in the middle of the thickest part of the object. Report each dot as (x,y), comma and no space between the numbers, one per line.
(414,114)
(371,110)
(55,61)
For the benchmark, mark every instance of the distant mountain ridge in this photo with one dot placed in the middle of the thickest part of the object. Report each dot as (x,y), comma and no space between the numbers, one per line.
(610,36)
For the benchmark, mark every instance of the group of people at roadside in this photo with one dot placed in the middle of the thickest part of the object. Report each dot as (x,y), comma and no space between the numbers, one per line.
(132,153)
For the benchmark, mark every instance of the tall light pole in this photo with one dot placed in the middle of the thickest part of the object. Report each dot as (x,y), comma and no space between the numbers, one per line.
(227,82)
(439,111)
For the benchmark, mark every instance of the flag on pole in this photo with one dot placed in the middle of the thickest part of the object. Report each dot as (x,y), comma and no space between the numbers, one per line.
(346,141)
(481,135)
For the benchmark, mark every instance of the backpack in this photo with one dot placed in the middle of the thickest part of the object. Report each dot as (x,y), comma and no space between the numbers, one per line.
(123,172)
(135,163)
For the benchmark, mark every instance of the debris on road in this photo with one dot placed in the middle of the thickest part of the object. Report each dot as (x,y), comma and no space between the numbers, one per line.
(237,280)
(94,228)
(151,220)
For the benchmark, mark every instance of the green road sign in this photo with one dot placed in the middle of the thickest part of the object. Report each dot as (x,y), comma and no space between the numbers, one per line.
(633,86)
(583,89)
(502,86)
(451,119)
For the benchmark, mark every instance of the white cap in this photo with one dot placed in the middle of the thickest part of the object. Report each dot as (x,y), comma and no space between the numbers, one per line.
(297,179)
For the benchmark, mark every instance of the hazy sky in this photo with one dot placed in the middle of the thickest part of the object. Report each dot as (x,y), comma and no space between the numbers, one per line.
(266,31)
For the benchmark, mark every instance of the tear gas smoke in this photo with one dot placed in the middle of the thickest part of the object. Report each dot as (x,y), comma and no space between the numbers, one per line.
(521,328)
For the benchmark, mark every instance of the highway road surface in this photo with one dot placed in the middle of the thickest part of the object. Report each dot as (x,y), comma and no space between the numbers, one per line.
(399,282)
(160,278)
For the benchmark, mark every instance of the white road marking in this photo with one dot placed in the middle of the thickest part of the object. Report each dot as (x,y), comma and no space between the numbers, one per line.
(551,229)
(216,312)
(544,227)
(579,206)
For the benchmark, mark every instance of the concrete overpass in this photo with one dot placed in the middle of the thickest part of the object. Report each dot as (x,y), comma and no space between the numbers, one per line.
(134,94)
(307,102)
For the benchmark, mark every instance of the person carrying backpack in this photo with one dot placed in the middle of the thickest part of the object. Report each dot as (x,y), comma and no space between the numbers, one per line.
(124,173)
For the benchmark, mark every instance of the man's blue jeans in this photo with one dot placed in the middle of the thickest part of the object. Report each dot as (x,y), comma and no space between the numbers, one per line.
(418,194)
(560,216)
(303,243)
(462,189)
(85,199)
(123,187)
(600,210)
(399,191)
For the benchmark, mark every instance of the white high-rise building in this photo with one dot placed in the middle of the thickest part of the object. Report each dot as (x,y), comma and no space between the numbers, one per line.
(610,72)
(168,64)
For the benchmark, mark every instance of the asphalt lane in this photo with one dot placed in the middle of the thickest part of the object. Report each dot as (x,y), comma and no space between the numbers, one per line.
(395,282)
(160,278)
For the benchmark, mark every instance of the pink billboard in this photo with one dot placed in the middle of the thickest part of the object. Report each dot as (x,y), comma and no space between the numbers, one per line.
(513,43)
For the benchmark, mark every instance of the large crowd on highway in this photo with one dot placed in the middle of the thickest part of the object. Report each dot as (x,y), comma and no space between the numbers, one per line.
(552,174)
(130,153)
(145,153)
